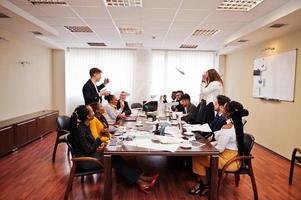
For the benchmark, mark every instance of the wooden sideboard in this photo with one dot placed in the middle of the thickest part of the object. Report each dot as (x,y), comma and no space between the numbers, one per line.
(19,131)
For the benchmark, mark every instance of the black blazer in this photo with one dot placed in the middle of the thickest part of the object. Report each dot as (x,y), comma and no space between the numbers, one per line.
(90,93)
(126,109)
(217,123)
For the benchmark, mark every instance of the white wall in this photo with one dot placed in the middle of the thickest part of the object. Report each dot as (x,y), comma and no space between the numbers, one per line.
(24,89)
(276,125)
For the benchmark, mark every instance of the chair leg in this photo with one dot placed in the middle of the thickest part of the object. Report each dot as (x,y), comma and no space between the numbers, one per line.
(293,160)
(70,181)
(54,149)
(220,180)
(237,178)
(253,180)
(82,179)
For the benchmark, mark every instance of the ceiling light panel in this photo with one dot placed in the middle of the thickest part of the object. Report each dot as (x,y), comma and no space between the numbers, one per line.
(79,29)
(96,44)
(48,2)
(123,3)
(188,46)
(205,32)
(129,30)
(238,5)
(134,45)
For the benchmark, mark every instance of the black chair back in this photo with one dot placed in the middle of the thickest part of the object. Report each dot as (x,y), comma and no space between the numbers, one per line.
(63,123)
(136,105)
(249,141)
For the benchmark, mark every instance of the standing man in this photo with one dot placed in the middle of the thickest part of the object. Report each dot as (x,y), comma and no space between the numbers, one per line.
(123,105)
(92,93)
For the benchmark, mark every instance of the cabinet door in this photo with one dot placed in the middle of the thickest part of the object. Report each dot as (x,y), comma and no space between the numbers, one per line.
(6,140)
(32,132)
(47,123)
(25,132)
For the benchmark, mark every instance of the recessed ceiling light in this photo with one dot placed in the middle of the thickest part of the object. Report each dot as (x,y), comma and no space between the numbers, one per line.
(124,3)
(48,2)
(205,32)
(79,29)
(277,25)
(242,41)
(129,30)
(96,44)
(189,46)
(135,45)
(36,32)
(2,15)
(238,5)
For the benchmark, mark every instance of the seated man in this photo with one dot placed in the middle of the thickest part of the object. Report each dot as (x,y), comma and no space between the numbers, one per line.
(219,120)
(123,105)
(189,108)
(179,107)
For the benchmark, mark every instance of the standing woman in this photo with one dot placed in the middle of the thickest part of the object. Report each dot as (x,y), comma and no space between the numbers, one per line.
(212,86)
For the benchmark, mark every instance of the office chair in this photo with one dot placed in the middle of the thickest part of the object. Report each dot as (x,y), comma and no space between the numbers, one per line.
(246,165)
(63,123)
(295,160)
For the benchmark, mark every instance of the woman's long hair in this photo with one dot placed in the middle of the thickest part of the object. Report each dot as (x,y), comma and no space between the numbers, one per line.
(236,111)
(213,75)
(79,115)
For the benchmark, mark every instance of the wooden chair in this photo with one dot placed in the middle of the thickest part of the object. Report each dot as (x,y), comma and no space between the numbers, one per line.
(295,160)
(76,171)
(246,165)
(63,123)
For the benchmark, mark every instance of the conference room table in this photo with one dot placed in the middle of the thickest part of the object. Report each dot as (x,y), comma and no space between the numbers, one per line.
(123,150)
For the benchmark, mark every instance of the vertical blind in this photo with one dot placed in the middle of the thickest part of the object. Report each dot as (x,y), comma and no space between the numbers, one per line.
(169,71)
(179,70)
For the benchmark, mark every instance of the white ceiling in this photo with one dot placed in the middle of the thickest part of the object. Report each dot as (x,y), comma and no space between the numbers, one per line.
(171,21)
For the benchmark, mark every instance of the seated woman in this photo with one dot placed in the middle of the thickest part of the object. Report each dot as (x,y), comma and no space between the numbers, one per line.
(229,142)
(84,144)
(112,113)
(98,125)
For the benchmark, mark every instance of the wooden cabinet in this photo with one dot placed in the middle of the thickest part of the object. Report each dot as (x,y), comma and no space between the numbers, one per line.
(6,140)
(16,132)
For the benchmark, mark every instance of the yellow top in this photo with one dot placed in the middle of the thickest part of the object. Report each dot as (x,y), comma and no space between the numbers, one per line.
(96,128)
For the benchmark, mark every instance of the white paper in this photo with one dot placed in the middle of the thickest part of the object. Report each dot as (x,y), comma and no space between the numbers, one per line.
(148,144)
(198,127)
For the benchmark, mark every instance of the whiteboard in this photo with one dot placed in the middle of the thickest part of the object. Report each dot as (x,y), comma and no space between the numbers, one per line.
(274,76)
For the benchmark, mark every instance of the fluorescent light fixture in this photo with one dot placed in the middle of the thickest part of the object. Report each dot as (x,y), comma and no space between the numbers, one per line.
(79,29)
(238,5)
(48,2)
(188,46)
(134,45)
(123,3)
(205,32)
(96,44)
(130,30)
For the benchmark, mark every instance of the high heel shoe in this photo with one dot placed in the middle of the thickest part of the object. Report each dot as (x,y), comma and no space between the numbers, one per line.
(153,182)
(144,188)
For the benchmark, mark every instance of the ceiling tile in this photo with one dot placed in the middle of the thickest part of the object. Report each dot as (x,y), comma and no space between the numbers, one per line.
(161,3)
(92,12)
(85,3)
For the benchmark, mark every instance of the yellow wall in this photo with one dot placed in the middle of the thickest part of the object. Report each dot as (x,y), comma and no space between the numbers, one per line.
(275,125)
(24,89)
